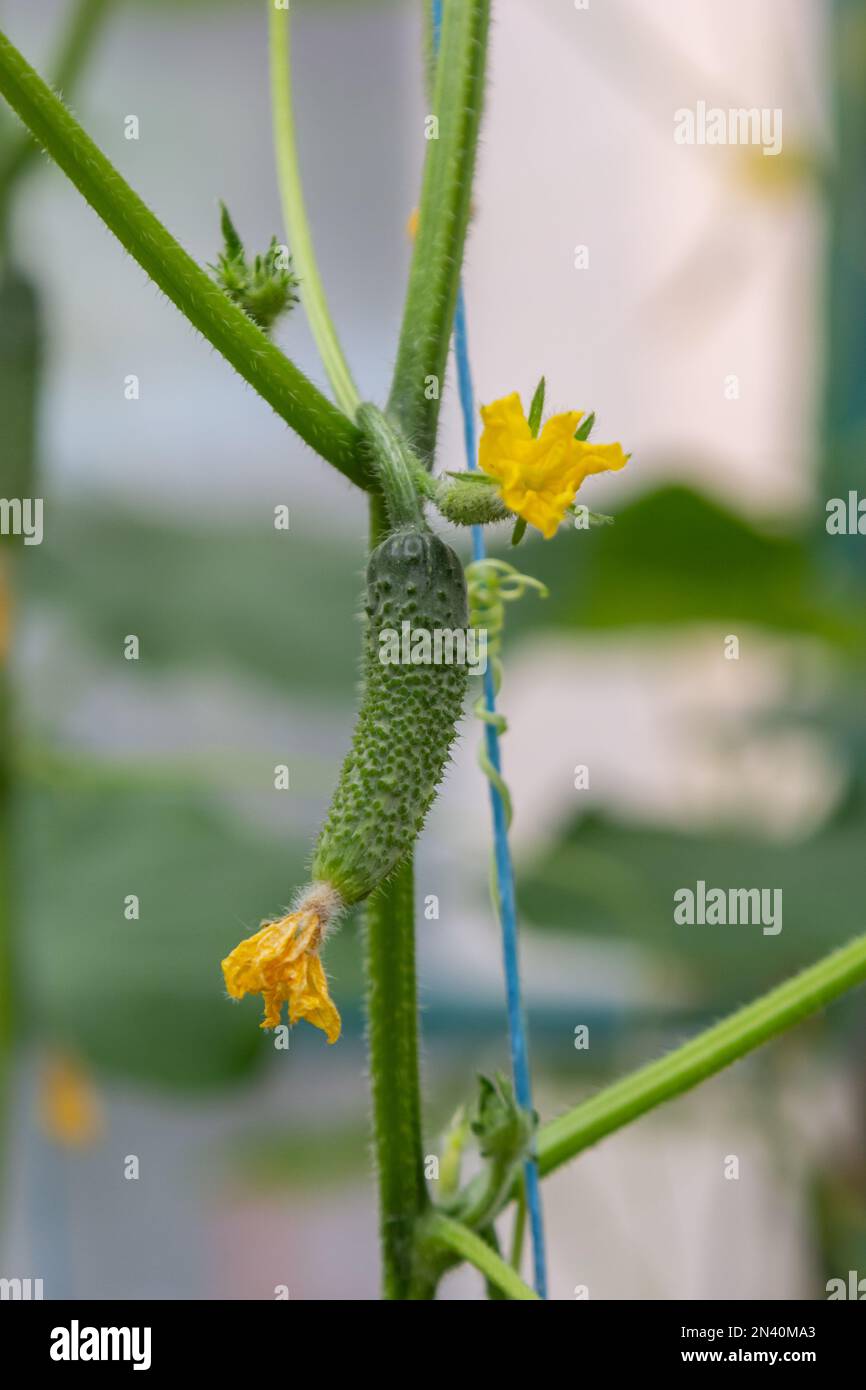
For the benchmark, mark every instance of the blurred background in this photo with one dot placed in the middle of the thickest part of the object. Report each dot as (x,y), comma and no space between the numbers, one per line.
(158,1145)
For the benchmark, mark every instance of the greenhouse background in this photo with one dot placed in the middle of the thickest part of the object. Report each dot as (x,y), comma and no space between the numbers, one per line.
(710,306)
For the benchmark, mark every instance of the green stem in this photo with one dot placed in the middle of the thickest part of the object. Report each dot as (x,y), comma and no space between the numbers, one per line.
(519,1229)
(393,465)
(277,380)
(75,48)
(295,214)
(451,1235)
(443,218)
(390,941)
(392,1028)
(392,1039)
(451,1160)
(703,1056)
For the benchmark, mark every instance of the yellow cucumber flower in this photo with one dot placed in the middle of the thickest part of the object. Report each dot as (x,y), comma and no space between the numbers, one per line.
(281,962)
(538,478)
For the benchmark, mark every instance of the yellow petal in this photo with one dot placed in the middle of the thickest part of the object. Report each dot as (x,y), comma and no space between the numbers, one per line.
(602,458)
(506,438)
(560,429)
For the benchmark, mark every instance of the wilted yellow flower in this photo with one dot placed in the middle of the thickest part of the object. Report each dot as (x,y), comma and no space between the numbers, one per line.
(281,962)
(538,478)
(69,1109)
(412,223)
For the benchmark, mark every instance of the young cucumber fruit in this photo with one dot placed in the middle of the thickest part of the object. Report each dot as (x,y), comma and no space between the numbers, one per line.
(407,720)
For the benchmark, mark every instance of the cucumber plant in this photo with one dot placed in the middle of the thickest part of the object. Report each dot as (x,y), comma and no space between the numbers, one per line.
(407,719)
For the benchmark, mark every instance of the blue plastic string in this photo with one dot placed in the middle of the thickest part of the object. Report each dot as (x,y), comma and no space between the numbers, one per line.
(502,852)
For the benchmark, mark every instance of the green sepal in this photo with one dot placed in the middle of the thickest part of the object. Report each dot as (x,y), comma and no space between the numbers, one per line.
(234,247)
(471,476)
(519,530)
(584,429)
(594,518)
(536,409)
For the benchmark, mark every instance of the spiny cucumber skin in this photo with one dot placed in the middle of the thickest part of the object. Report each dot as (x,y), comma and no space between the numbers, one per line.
(407,720)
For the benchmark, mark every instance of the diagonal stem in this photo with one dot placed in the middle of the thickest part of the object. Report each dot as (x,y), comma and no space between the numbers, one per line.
(703,1056)
(295,214)
(325,428)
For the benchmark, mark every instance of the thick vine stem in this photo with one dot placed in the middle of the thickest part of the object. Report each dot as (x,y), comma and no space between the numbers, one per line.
(392,1032)
(325,428)
(392,1040)
(393,465)
(443,218)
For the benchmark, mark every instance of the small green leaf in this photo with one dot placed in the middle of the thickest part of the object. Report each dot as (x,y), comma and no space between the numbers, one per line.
(519,529)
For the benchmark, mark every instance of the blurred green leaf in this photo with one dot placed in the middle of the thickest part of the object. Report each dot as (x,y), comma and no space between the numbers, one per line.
(676,557)
(273,605)
(611,880)
(300,1157)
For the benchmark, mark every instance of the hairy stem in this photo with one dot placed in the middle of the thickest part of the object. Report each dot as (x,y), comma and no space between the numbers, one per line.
(392,1025)
(393,465)
(295,214)
(443,218)
(392,1039)
(703,1056)
(448,1234)
(325,428)
(390,938)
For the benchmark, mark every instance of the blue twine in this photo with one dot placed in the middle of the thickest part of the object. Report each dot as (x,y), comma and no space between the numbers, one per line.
(504,868)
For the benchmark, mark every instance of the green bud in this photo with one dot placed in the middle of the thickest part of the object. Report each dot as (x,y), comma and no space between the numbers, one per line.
(505,1134)
(470,499)
(264,289)
(503,1130)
